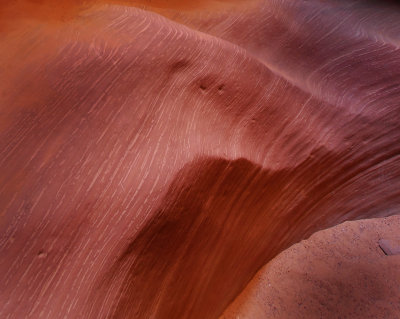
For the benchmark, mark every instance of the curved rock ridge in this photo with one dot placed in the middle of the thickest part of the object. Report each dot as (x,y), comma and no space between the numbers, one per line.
(154,157)
(322,276)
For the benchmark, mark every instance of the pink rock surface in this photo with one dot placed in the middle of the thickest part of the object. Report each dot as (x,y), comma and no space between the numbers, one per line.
(337,273)
(153,158)
(390,246)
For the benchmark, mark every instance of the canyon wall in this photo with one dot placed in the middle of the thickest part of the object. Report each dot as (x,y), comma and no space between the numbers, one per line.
(155,155)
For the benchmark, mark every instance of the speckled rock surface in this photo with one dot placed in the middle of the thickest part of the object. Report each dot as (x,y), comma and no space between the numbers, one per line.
(340,272)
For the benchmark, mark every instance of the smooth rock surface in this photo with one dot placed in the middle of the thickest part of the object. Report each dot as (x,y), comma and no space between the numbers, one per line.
(153,157)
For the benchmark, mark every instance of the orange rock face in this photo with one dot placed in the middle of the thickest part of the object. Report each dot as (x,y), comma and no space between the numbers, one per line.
(155,155)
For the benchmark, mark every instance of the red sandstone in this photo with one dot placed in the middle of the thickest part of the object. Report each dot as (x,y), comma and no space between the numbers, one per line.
(154,157)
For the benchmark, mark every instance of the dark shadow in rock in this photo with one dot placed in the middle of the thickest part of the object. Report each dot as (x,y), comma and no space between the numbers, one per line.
(221,221)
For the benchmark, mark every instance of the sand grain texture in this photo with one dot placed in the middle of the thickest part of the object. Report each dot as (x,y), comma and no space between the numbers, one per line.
(337,273)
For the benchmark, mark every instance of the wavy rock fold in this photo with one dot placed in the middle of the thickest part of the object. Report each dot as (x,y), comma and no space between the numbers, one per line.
(154,155)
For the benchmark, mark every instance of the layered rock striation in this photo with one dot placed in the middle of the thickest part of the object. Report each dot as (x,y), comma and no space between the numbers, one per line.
(155,155)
